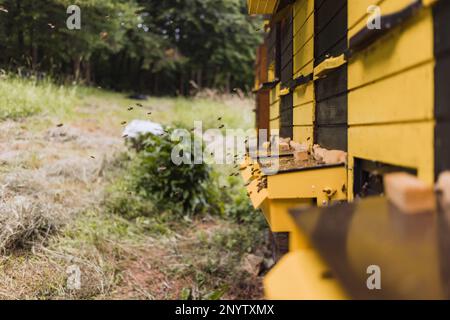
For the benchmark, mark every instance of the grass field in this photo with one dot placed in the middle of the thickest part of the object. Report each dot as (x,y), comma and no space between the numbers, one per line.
(62,163)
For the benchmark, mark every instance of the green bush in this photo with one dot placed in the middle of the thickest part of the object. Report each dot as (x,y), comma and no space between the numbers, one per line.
(124,201)
(155,187)
(185,189)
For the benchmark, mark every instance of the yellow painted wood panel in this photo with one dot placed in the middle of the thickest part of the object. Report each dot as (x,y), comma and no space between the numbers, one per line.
(407,145)
(357,11)
(277,214)
(306,70)
(275,94)
(386,7)
(261,6)
(275,124)
(407,96)
(303,41)
(304,115)
(304,29)
(305,34)
(271,72)
(308,184)
(303,59)
(303,7)
(304,94)
(298,276)
(401,49)
(274,110)
(301,134)
(252,6)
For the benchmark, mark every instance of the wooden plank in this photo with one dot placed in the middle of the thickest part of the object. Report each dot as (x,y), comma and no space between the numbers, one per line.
(443,186)
(275,94)
(357,11)
(408,96)
(263,110)
(304,94)
(303,134)
(332,111)
(261,6)
(286,132)
(287,50)
(441,17)
(327,12)
(263,72)
(286,35)
(303,59)
(404,48)
(275,110)
(303,29)
(304,8)
(286,116)
(304,115)
(286,72)
(274,125)
(409,194)
(303,39)
(441,147)
(386,7)
(274,49)
(330,34)
(442,92)
(331,137)
(335,83)
(396,144)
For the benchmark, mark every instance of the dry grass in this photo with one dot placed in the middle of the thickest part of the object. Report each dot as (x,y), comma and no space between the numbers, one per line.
(27,222)
(50,178)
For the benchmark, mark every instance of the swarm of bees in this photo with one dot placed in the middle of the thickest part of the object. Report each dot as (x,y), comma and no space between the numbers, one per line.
(262,184)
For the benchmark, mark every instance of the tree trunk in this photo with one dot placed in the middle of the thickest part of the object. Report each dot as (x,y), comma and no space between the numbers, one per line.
(199,78)
(76,68)
(228,83)
(87,71)
(139,74)
(20,36)
(181,87)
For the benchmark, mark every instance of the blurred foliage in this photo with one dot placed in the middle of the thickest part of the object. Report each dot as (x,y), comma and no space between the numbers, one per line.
(160,47)
(184,189)
(156,186)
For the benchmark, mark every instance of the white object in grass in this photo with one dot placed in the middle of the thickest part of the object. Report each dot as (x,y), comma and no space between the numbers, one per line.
(141,127)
